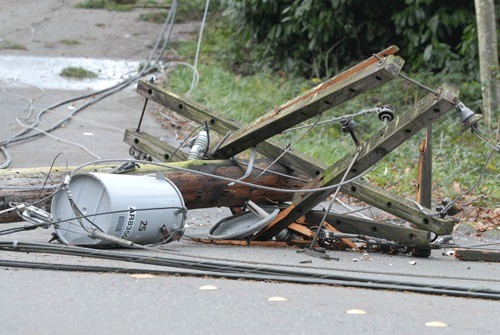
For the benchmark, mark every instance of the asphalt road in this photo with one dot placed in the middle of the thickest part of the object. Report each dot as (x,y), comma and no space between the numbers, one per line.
(53,302)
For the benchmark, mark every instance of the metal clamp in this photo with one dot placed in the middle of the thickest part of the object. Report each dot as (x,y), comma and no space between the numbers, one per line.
(36,215)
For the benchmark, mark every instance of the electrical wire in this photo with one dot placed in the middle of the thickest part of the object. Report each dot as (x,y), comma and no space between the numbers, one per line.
(59,138)
(29,106)
(476,183)
(362,112)
(211,258)
(6,156)
(323,219)
(249,276)
(98,95)
(176,253)
(169,18)
(290,146)
(198,47)
(196,74)
(494,147)
(274,172)
(7,210)
(357,212)
(238,271)
(50,170)
(20,229)
(21,135)
(183,142)
(416,83)
(262,187)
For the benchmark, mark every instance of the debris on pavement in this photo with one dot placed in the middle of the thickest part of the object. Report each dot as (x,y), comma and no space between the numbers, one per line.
(273,199)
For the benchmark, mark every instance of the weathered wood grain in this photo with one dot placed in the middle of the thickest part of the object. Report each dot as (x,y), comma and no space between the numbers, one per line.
(373,150)
(193,187)
(296,161)
(477,255)
(327,95)
(153,146)
(354,225)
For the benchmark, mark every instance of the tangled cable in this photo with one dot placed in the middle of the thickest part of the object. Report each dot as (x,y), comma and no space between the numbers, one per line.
(152,64)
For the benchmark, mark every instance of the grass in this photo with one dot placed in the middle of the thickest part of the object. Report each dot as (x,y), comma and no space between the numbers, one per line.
(114,5)
(10,45)
(70,41)
(77,72)
(186,11)
(121,5)
(458,158)
(155,17)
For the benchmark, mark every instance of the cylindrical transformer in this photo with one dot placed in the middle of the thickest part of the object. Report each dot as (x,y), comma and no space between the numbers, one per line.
(141,209)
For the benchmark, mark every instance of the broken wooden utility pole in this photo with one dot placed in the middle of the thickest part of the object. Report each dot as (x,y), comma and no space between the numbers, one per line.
(373,150)
(379,198)
(296,178)
(354,225)
(345,86)
(424,179)
(370,194)
(477,255)
(22,185)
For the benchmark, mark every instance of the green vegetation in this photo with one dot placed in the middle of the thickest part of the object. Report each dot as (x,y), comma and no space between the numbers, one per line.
(5,44)
(77,72)
(96,4)
(108,4)
(156,17)
(261,53)
(186,11)
(122,5)
(226,87)
(69,41)
(436,35)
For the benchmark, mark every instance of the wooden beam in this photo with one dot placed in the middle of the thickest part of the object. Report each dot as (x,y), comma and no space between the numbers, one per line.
(187,107)
(297,161)
(377,147)
(193,187)
(241,243)
(353,225)
(424,179)
(301,230)
(153,146)
(398,206)
(477,255)
(223,125)
(327,95)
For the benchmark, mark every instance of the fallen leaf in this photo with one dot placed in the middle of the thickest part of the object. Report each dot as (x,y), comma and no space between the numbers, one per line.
(356,311)
(436,324)
(277,299)
(142,275)
(209,288)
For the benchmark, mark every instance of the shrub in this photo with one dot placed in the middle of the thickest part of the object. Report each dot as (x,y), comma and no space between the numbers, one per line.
(318,38)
